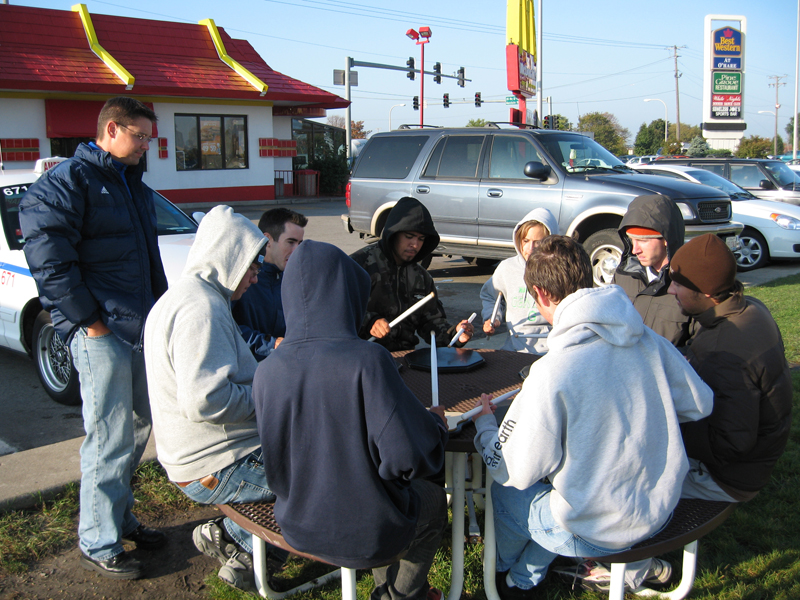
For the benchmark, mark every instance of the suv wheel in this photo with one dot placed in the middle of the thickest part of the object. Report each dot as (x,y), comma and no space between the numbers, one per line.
(753,253)
(54,363)
(605,251)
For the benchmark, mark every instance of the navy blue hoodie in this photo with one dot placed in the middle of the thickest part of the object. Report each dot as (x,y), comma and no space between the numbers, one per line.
(342,434)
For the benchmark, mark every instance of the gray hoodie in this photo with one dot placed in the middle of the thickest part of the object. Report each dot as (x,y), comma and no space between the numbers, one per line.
(199,369)
(517,306)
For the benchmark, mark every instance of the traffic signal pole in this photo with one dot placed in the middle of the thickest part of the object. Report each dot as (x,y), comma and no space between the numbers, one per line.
(421,43)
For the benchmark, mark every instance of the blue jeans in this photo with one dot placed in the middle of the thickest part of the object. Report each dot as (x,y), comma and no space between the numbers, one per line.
(116,417)
(529,538)
(243,481)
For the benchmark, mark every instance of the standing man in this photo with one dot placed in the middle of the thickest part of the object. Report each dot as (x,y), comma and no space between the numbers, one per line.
(738,351)
(92,247)
(200,373)
(398,281)
(260,313)
(652,231)
(563,482)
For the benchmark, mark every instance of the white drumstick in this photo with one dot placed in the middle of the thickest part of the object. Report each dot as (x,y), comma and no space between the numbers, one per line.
(434,372)
(496,307)
(531,335)
(454,420)
(407,312)
(461,330)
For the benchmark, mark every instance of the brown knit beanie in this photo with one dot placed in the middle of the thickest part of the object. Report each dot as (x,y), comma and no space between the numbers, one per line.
(705,264)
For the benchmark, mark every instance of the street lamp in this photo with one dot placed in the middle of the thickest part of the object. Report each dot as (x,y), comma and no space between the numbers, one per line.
(775,139)
(666,122)
(421,38)
(390,114)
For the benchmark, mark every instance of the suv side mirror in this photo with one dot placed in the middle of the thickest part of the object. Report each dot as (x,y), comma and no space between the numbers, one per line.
(765,184)
(536,170)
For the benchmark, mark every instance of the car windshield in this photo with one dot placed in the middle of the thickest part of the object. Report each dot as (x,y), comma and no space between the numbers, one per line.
(786,177)
(578,153)
(171,220)
(714,180)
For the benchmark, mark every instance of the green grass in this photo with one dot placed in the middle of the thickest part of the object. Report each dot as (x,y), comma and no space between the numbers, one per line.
(755,555)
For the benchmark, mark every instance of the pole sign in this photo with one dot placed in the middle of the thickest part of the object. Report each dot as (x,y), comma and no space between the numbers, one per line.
(723,80)
(521,48)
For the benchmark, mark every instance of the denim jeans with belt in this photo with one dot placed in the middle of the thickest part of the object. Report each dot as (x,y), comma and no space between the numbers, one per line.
(116,417)
(528,536)
(243,481)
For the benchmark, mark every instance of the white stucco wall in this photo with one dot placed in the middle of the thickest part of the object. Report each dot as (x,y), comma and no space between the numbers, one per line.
(24,118)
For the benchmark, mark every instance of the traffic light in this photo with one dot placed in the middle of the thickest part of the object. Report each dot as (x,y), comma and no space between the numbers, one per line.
(415,103)
(478,100)
(547,121)
(446,100)
(410,65)
(461,76)
(437,68)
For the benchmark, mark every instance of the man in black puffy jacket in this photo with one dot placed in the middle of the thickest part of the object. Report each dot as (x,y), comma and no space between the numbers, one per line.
(92,248)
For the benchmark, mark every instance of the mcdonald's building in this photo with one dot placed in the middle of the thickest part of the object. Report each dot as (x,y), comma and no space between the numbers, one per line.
(225,118)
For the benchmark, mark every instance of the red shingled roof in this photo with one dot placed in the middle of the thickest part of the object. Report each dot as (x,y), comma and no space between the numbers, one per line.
(47,50)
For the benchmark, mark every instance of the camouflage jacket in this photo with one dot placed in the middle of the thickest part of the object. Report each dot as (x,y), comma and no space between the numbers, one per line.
(394,289)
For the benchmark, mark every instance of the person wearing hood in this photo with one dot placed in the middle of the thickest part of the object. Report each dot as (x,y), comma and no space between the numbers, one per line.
(399,281)
(563,456)
(200,372)
(652,231)
(349,444)
(517,307)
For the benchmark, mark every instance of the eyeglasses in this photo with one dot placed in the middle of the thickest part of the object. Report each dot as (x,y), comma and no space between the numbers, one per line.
(142,137)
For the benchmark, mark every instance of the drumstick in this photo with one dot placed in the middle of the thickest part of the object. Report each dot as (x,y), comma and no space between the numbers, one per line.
(434,372)
(531,335)
(496,307)
(461,330)
(407,312)
(454,420)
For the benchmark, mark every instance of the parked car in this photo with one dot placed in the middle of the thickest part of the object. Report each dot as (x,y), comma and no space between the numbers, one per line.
(765,178)
(25,326)
(641,160)
(478,183)
(771,229)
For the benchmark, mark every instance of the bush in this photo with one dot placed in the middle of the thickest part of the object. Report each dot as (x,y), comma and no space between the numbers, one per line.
(333,174)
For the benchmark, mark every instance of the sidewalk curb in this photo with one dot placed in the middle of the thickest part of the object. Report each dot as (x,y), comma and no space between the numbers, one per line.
(47,470)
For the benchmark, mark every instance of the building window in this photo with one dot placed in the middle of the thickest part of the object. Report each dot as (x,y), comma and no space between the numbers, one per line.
(210,142)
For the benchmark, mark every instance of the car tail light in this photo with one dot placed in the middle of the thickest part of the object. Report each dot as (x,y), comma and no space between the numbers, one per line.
(347,195)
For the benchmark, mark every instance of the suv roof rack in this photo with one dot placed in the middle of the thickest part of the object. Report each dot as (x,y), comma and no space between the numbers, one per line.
(415,126)
(496,125)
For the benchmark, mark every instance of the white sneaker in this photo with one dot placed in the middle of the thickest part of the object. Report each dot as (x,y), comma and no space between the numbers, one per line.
(238,571)
(209,540)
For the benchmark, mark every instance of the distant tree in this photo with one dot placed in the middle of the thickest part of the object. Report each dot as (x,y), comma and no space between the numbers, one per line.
(754,146)
(790,128)
(607,131)
(688,132)
(719,153)
(650,138)
(781,147)
(476,123)
(698,148)
(673,148)
(336,121)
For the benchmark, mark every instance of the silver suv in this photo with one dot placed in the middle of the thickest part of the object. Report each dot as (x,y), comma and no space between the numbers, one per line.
(478,183)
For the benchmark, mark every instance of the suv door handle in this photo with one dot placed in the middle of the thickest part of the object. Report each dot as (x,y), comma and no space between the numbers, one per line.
(494,193)
(423,189)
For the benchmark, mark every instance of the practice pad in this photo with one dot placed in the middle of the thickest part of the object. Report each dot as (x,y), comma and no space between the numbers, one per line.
(450,360)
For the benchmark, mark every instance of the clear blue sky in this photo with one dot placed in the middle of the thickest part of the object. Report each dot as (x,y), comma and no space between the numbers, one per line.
(604,57)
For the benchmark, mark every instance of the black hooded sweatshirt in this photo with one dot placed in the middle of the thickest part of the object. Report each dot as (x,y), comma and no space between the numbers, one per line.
(394,288)
(342,434)
(659,310)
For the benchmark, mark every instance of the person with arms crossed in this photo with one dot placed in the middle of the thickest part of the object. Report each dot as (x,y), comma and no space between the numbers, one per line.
(260,313)
(563,456)
(92,247)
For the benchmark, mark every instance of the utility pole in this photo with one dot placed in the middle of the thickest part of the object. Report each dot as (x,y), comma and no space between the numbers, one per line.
(776,85)
(677,97)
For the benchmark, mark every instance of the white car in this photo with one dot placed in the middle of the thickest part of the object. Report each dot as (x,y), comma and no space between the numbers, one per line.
(24,326)
(771,228)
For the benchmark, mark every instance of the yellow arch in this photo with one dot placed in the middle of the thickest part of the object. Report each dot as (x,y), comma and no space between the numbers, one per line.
(223,56)
(101,53)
